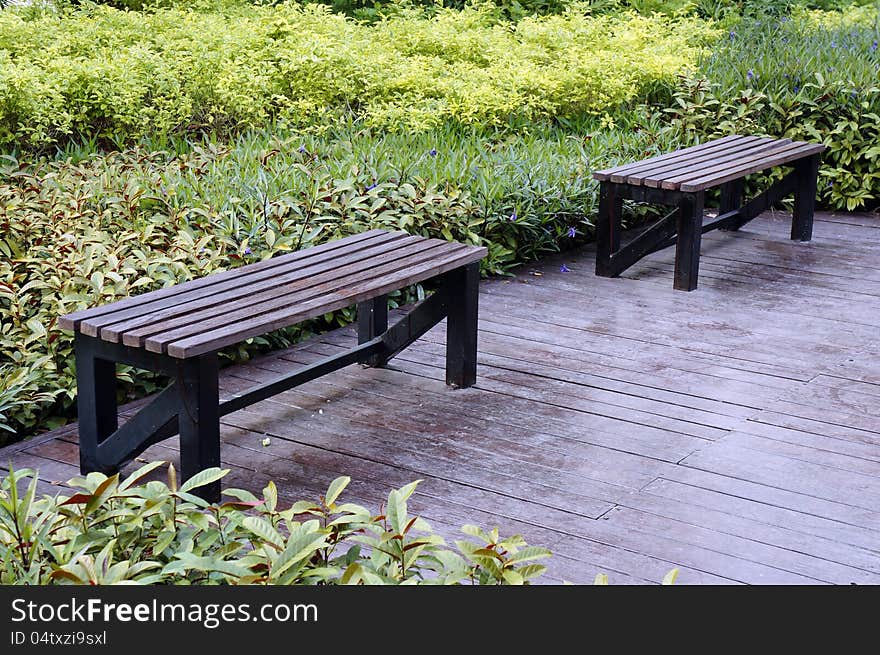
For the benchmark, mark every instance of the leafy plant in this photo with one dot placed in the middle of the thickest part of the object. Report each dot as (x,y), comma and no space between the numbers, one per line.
(114,530)
(110,77)
(810,77)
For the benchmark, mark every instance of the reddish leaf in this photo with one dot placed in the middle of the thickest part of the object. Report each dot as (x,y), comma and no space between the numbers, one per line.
(78,499)
(241,504)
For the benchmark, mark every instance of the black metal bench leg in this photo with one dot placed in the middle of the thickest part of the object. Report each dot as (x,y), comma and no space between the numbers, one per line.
(199,419)
(687,247)
(731,199)
(461,326)
(372,317)
(96,402)
(807,171)
(607,228)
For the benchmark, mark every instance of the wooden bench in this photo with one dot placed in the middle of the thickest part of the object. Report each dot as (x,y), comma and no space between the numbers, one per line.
(681,179)
(178,331)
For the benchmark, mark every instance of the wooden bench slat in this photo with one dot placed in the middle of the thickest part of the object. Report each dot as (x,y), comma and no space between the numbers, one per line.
(194,318)
(259,325)
(684,156)
(654,178)
(242,289)
(72,321)
(192,325)
(619,171)
(722,174)
(730,161)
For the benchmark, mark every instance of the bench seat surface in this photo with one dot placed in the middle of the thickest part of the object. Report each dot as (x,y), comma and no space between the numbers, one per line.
(219,310)
(710,164)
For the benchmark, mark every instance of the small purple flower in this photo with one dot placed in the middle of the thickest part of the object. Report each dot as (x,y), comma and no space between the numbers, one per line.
(433,152)
(372,186)
(247,251)
(301,149)
(732,35)
(796,89)
(750,75)
(834,44)
(572,233)
(874,47)
(513,217)
(564,269)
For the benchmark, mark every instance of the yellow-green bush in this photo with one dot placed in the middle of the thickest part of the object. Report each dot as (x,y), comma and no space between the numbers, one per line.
(106,75)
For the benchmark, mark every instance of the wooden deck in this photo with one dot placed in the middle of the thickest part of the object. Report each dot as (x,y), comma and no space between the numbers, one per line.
(732,432)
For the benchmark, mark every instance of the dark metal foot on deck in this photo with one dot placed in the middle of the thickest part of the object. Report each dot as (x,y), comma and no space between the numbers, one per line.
(806,172)
(687,245)
(372,319)
(96,404)
(461,327)
(199,420)
(608,229)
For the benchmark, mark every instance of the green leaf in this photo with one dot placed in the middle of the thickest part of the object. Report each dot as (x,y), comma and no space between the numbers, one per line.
(528,554)
(396,511)
(163,540)
(601,579)
(670,578)
(140,474)
(203,478)
(102,492)
(336,488)
(296,550)
(530,571)
(512,578)
(240,494)
(264,530)
(192,498)
(270,494)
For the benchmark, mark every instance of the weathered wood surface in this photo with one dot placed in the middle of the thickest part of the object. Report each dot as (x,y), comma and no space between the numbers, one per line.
(733,433)
(220,310)
(710,164)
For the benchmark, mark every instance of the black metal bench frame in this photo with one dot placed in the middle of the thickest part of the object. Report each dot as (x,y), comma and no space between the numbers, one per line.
(684,226)
(191,405)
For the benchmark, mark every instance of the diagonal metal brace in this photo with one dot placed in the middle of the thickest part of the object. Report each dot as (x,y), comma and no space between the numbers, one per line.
(654,238)
(153,423)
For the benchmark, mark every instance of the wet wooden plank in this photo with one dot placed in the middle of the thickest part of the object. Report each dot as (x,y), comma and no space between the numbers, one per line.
(816,557)
(753,163)
(791,567)
(763,508)
(616,173)
(727,159)
(324,251)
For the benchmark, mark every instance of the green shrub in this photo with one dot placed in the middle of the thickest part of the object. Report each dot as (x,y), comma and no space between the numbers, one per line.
(113,531)
(812,77)
(113,77)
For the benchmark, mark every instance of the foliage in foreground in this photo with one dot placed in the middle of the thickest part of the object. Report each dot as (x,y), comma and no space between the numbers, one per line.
(113,77)
(125,531)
